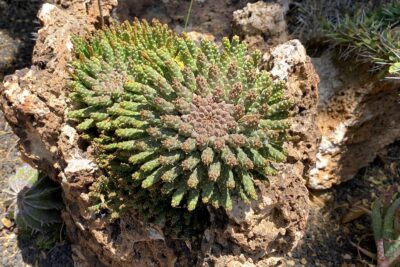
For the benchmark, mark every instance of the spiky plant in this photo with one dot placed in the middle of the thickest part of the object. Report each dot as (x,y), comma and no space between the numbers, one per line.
(386,228)
(34,202)
(310,17)
(371,36)
(174,119)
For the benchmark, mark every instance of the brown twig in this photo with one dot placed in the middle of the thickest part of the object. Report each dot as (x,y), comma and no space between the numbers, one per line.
(363,251)
(14,145)
(101,13)
(368,211)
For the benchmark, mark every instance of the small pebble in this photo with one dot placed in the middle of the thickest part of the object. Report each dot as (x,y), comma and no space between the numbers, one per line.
(290,263)
(6,222)
(347,256)
(303,261)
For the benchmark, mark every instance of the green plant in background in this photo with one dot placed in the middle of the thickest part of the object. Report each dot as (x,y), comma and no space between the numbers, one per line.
(310,18)
(174,122)
(34,201)
(361,29)
(43,241)
(386,228)
(373,37)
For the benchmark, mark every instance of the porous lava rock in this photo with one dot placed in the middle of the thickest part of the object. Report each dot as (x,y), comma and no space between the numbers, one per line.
(260,234)
(358,116)
(34,102)
(357,111)
(262,24)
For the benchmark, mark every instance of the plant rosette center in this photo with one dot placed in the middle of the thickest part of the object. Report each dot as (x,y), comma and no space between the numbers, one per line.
(210,118)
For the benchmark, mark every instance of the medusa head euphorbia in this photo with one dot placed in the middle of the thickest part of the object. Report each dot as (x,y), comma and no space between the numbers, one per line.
(197,123)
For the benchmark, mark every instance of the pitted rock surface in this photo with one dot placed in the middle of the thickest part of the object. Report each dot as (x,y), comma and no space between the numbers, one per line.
(34,103)
(358,116)
(262,24)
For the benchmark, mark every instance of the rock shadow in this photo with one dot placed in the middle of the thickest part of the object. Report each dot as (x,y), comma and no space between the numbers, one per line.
(213,17)
(18,27)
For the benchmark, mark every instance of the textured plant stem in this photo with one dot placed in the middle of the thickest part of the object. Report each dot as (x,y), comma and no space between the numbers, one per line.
(382,261)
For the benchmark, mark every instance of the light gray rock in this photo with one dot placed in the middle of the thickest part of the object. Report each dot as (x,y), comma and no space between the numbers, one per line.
(261,24)
(358,116)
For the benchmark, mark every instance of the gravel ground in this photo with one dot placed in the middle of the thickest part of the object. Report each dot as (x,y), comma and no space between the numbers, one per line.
(338,229)
(18,24)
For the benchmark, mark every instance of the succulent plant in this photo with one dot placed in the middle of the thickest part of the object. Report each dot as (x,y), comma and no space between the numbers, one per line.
(371,36)
(34,202)
(186,122)
(386,228)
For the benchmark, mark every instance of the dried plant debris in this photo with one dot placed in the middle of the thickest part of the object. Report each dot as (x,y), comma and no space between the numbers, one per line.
(34,201)
(175,122)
